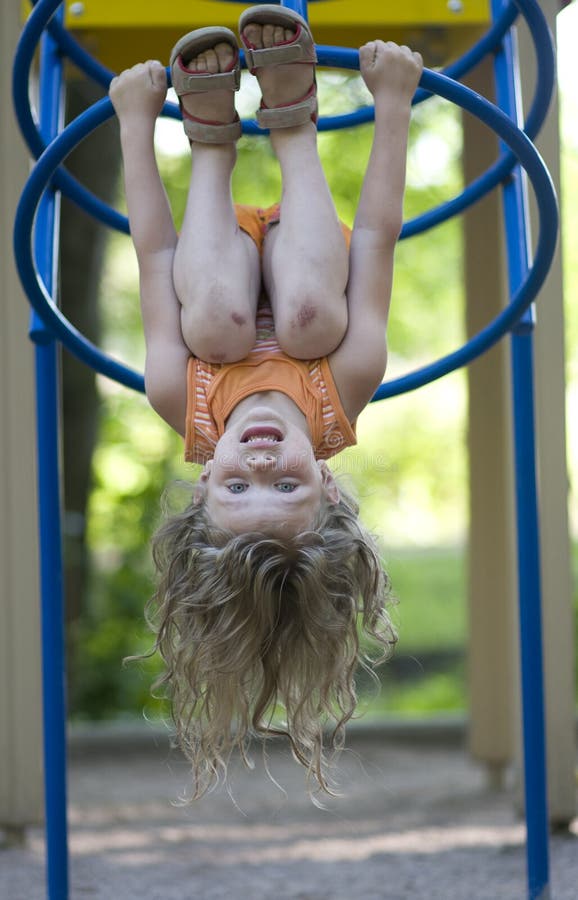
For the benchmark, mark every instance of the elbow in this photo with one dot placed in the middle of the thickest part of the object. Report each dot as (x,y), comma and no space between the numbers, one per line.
(168,403)
(381,367)
(391,227)
(390,221)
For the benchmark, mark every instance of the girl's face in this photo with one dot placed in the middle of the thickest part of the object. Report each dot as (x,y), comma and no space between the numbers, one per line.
(264,477)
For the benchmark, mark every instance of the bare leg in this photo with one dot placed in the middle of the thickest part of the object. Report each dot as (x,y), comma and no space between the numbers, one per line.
(216,269)
(305,259)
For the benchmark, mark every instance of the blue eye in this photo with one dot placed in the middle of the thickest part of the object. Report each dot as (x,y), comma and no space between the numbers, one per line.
(286,487)
(237,487)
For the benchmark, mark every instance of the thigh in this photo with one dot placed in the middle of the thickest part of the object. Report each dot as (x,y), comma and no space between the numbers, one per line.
(309,306)
(218,323)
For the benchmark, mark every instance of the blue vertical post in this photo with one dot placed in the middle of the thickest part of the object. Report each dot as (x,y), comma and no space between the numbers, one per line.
(527,508)
(51,581)
(298,6)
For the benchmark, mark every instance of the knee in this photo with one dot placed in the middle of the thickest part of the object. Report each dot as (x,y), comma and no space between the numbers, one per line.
(310,326)
(219,330)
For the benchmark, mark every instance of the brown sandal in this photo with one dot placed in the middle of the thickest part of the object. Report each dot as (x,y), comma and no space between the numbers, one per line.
(300,49)
(187,82)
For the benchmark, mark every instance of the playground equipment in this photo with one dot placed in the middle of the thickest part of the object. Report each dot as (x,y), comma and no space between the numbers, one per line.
(121,34)
(34,248)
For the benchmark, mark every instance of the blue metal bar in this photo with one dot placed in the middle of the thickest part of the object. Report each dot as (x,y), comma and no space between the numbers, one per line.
(445,87)
(51,580)
(537,853)
(530,610)
(53,643)
(529,569)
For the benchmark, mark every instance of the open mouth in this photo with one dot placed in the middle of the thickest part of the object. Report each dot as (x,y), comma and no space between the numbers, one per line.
(261,434)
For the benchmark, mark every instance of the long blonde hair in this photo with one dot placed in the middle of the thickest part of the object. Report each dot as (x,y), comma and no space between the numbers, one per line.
(250,625)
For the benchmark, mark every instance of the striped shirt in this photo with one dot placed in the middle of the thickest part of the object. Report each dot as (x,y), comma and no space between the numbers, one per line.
(214,390)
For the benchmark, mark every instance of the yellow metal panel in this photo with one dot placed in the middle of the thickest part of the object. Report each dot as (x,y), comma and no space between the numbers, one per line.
(108,13)
(122,32)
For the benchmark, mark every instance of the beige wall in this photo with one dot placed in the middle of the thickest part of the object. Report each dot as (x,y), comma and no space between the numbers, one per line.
(21,783)
(492,654)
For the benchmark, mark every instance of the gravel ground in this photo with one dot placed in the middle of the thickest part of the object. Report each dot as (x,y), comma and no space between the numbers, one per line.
(415,821)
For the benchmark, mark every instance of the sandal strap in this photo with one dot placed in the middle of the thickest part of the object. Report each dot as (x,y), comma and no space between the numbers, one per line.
(300,49)
(205,132)
(290,115)
(198,82)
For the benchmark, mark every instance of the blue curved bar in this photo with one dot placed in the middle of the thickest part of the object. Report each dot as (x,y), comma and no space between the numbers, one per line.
(445,87)
(32,283)
(546,66)
(87,64)
(548,210)
(25,50)
(41,14)
(346,58)
(329,56)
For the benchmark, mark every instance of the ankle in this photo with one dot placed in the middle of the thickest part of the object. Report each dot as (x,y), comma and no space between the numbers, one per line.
(220,155)
(286,140)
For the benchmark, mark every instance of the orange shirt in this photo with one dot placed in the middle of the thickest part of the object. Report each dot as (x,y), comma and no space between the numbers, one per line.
(214,390)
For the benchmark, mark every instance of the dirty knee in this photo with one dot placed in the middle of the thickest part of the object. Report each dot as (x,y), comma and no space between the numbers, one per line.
(312,329)
(220,339)
(305,316)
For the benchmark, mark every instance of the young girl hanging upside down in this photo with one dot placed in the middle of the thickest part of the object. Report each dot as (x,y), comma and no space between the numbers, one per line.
(265,338)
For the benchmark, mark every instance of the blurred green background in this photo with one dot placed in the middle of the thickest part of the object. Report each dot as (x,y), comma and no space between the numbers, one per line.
(409,469)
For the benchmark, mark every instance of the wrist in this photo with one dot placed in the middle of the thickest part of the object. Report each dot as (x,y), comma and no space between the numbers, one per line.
(137,130)
(391,98)
(135,119)
(391,108)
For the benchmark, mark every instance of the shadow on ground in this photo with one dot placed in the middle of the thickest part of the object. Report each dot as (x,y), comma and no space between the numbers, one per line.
(415,821)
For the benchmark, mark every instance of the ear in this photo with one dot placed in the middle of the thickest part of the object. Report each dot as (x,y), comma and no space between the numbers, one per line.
(200,490)
(330,487)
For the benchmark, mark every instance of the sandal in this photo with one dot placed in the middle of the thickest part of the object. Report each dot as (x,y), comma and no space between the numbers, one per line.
(186,82)
(300,49)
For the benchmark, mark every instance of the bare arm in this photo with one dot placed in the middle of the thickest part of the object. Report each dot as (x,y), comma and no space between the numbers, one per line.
(138,95)
(391,74)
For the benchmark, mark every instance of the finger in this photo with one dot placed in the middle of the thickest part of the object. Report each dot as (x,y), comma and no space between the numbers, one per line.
(157,73)
(368,52)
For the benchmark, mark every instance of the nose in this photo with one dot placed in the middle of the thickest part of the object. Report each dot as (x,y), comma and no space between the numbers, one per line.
(259,462)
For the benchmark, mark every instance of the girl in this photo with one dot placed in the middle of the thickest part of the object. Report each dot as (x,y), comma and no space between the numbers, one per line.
(265,337)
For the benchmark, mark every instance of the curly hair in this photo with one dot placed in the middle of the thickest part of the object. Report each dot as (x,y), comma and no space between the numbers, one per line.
(250,625)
